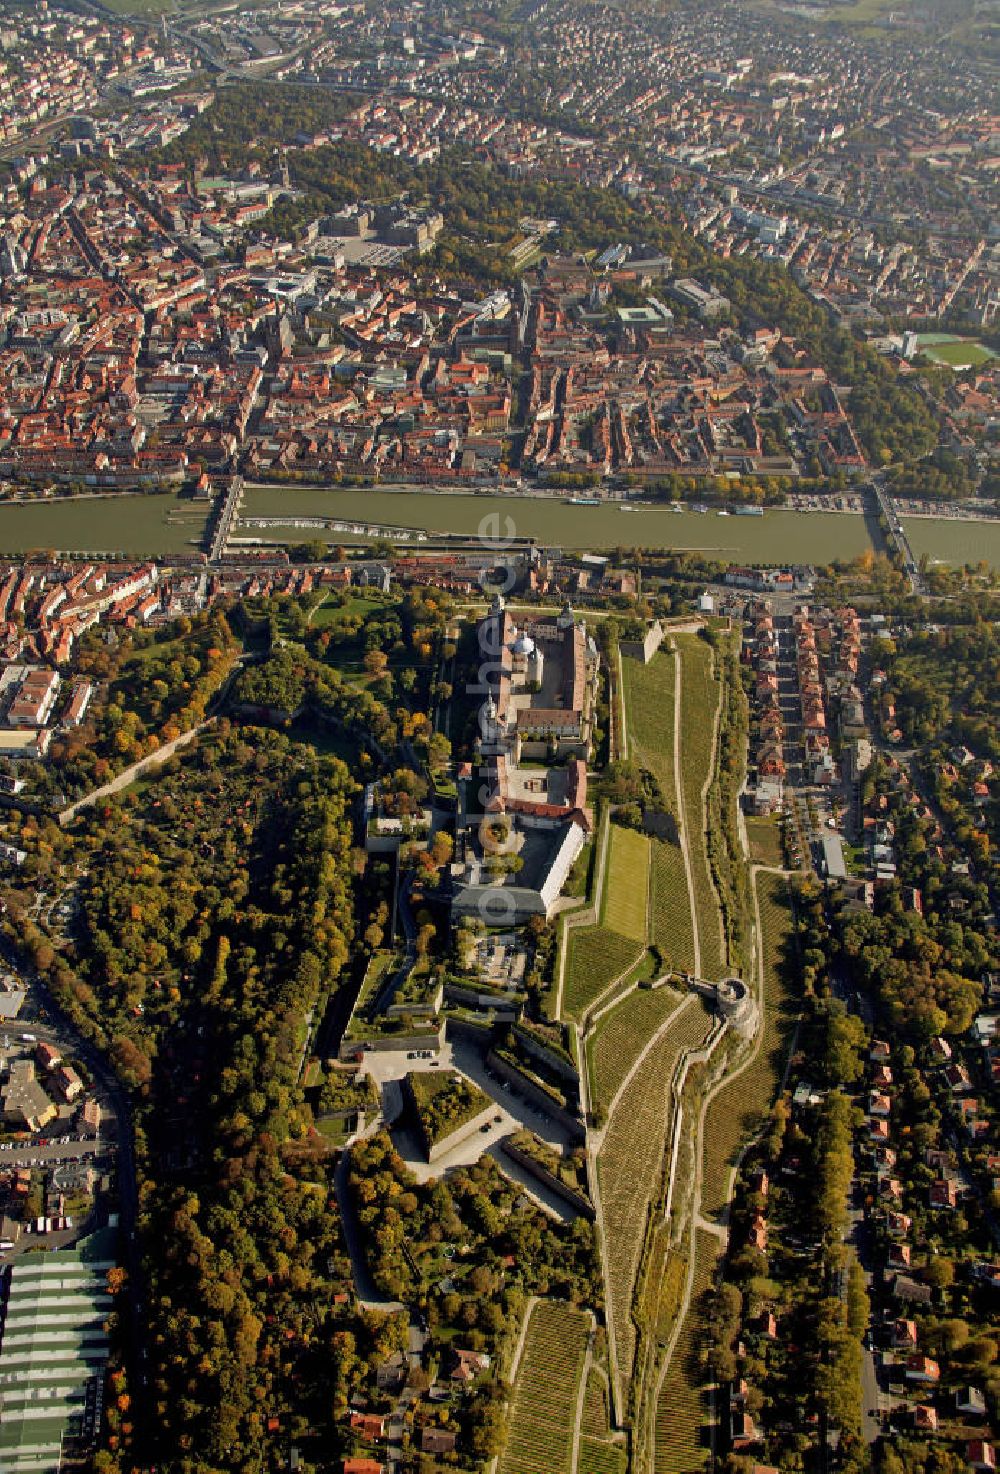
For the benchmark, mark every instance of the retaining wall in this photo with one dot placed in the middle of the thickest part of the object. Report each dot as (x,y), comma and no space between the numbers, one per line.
(536,1096)
(576,1200)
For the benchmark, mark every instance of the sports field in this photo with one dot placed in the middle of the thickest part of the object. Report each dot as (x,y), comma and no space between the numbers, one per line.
(954,352)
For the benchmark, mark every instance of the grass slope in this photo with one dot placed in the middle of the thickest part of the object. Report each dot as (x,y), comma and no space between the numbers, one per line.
(627,886)
(649,702)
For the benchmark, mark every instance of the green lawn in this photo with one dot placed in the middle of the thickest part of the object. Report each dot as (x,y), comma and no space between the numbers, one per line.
(141,7)
(626,890)
(860,12)
(328,615)
(764,835)
(856,14)
(954,352)
(329,742)
(961,355)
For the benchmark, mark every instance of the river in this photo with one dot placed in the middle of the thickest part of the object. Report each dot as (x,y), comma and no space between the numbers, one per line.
(163,524)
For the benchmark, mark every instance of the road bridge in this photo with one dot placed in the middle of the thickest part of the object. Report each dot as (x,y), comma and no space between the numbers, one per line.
(228,513)
(896,533)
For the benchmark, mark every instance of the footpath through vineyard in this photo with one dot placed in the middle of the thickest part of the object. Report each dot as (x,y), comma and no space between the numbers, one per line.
(628,1150)
(666,1087)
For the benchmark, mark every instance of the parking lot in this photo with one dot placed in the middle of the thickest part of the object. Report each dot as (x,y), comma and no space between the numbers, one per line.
(47,1151)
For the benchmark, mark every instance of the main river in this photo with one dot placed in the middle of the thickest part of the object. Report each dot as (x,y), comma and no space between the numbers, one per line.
(163,524)
(794,537)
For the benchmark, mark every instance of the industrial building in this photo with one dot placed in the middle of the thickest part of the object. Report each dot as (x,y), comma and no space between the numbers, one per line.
(53,1350)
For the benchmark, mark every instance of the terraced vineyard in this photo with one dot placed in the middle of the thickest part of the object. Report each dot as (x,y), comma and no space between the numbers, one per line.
(619,1038)
(649,700)
(596,1421)
(626,887)
(700,695)
(598,1455)
(600,1458)
(747,1097)
(670,919)
(596,956)
(543,1408)
(681,1447)
(628,1170)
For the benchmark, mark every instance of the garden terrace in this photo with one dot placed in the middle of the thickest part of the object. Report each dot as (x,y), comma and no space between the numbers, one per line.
(378,969)
(598,1454)
(681,1430)
(670,919)
(596,957)
(726,853)
(528,1069)
(701,693)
